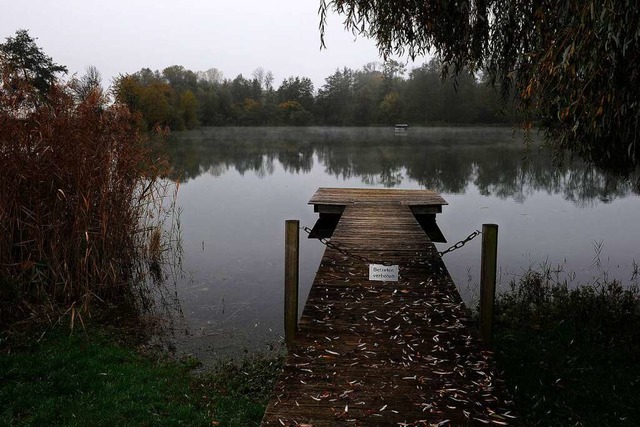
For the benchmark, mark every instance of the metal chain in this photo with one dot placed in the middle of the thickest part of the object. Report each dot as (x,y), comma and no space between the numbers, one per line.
(461,243)
(343,251)
(366,260)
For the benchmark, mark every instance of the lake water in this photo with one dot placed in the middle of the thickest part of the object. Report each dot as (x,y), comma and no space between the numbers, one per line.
(239,185)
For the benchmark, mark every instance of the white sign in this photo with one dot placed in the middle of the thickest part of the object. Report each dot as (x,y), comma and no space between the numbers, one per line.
(383,273)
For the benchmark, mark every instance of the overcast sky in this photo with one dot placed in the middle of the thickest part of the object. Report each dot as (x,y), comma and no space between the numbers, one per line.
(234,36)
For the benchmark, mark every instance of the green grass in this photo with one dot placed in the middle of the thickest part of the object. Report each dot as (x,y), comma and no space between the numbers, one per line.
(88,379)
(240,390)
(570,356)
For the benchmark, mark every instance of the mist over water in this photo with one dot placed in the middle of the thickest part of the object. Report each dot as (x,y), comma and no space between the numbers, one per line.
(239,185)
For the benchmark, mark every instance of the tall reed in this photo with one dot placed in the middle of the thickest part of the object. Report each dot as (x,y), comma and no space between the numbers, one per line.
(79,196)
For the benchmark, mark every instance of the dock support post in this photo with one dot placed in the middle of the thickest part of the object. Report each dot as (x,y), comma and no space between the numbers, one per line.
(291,277)
(488,280)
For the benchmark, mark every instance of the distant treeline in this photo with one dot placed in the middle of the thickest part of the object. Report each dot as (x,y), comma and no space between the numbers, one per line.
(376,94)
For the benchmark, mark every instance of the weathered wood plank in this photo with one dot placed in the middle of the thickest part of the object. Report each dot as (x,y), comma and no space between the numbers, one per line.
(325,198)
(385,353)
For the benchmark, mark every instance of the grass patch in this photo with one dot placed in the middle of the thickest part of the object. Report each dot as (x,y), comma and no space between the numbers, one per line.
(89,379)
(240,390)
(570,356)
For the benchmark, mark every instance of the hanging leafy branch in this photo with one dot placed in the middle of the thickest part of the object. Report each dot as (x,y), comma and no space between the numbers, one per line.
(573,65)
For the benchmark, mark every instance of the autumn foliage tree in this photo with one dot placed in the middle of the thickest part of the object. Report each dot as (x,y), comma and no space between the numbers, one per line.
(160,100)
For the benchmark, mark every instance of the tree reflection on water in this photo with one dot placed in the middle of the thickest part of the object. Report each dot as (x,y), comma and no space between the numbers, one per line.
(443,159)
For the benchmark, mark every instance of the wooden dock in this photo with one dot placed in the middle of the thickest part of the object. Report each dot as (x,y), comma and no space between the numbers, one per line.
(385,353)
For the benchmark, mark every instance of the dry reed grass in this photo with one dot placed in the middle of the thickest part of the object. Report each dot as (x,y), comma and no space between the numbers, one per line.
(80,203)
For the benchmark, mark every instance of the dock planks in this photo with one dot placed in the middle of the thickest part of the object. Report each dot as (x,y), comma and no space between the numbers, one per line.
(333,200)
(344,196)
(385,353)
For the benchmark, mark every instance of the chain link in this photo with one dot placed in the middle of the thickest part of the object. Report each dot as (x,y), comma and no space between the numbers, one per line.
(343,251)
(461,243)
(366,260)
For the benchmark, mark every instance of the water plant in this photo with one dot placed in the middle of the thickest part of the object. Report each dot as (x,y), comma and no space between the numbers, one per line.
(570,352)
(81,201)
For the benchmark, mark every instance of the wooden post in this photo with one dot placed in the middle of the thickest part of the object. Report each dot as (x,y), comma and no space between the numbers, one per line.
(488,280)
(291,261)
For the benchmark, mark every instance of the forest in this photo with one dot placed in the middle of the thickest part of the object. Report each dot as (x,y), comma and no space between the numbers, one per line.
(377,94)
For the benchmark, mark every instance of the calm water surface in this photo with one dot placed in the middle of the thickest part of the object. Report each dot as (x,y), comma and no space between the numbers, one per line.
(239,185)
